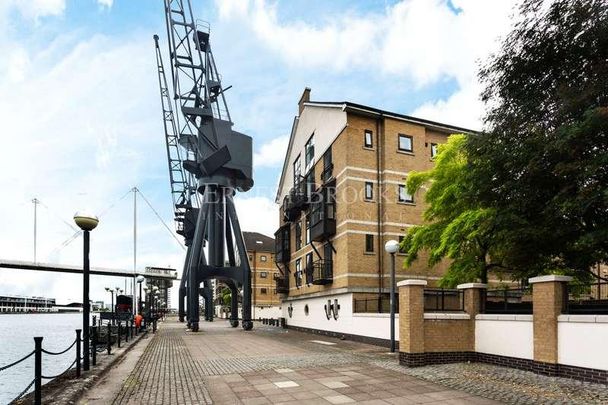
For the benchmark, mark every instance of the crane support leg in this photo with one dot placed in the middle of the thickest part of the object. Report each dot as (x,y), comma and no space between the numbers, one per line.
(182,287)
(193,276)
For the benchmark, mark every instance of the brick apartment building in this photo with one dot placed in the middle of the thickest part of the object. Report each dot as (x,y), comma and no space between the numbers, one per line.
(260,250)
(342,195)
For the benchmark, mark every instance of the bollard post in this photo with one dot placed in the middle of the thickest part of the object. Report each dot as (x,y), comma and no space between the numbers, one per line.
(78,332)
(119,330)
(109,338)
(94,344)
(154,326)
(38,371)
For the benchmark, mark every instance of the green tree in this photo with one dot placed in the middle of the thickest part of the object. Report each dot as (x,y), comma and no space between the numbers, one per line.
(226,295)
(457,227)
(542,163)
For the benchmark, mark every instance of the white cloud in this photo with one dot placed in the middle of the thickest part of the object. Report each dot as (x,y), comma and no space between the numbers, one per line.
(271,154)
(34,9)
(257,214)
(423,40)
(105,3)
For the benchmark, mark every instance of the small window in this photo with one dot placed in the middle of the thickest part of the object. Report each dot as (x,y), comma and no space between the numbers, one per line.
(298,273)
(404,196)
(369,190)
(433,150)
(369,243)
(263,274)
(400,242)
(309,152)
(297,171)
(263,258)
(307,230)
(298,235)
(250,258)
(263,291)
(406,143)
(368,141)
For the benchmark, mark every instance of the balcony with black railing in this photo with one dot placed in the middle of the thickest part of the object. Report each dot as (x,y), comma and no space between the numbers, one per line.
(322,272)
(296,200)
(281,284)
(282,251)
(322,214)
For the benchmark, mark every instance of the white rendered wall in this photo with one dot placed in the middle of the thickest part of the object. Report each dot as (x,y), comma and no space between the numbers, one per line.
(326,123)
(583,341)
(274,312)
(505,335)
(370,325)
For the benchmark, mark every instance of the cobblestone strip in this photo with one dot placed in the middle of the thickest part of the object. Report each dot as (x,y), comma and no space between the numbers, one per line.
(506,384)
(165,374)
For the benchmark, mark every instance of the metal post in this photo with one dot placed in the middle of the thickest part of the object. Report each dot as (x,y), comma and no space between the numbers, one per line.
(85,302)
(78,331)
(109,338)
(118,337)
(127,330)
(38,371)
(392,303)
(94,351)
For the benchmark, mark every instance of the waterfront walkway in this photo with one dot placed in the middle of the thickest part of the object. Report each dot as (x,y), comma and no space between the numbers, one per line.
(269,365)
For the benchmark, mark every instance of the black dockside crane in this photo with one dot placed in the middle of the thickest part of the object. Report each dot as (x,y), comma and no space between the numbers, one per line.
(209,163)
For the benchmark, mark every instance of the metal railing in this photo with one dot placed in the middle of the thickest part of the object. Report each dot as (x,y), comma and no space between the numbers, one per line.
(376,305)
(589,299)
(443,300)
(507,301)
(113,335)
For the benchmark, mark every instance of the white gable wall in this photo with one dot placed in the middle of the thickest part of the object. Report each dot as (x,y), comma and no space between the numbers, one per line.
(326,123)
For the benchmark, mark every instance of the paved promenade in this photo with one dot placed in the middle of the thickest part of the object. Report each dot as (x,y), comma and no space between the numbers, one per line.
(222,365)
(269,365)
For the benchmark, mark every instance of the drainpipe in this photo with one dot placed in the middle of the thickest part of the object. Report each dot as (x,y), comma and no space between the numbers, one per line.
(379,213)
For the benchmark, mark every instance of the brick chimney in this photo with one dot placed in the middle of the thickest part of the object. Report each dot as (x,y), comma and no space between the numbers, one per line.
(304,99)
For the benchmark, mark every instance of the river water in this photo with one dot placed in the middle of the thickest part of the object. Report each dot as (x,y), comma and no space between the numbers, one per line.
(17,333)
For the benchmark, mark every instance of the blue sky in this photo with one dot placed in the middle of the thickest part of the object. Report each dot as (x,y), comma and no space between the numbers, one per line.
(80,119)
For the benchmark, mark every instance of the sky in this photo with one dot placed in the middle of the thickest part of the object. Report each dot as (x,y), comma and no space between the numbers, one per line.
(81,125)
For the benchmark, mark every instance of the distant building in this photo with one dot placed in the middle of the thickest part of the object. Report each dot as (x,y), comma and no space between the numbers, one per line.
(19,303)
(97,305)
(265,301)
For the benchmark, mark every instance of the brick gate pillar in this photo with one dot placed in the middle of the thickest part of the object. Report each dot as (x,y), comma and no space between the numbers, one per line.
(548,297)
(411,322)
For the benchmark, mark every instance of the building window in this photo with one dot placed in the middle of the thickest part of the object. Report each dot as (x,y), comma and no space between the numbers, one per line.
(309,269)
(433,150)
(327,166)
(406,143)
(298,235)
(404,196)
(368,141)
(263,291)
(309,151)
(298,273)
(307,230)
(369,190)
(401,250)
(263,274)
(250,258)
(297,171)
(369,243)
(263,258)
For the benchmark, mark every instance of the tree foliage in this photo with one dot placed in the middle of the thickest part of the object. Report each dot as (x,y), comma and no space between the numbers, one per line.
(543,162)
(457,227)
(530,193)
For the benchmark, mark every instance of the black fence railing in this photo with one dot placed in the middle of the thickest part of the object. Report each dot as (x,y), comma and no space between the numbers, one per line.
(103,337)
(443,300)
(507,301)
(587,299)
(380,305)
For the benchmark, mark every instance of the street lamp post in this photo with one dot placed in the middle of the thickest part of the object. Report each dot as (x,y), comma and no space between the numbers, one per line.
(140,280)
(391,247)
(87,223)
